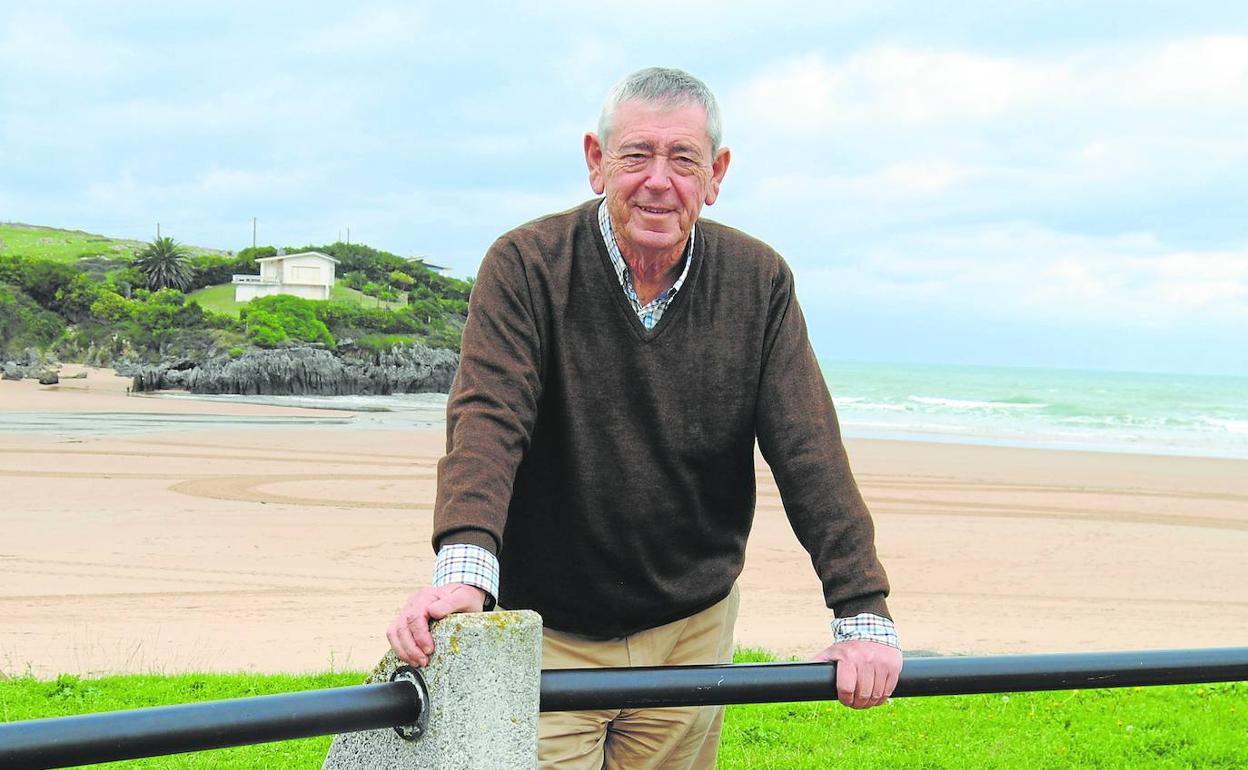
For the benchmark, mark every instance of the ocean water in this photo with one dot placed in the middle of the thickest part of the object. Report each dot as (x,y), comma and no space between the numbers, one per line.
(1169,414)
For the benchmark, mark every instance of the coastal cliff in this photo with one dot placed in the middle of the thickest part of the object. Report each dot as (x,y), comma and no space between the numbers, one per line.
(305,370)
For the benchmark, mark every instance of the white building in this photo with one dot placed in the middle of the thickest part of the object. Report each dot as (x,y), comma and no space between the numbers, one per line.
(308,274)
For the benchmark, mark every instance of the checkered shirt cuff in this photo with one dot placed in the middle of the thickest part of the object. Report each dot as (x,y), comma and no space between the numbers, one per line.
(867,627)
(468,564)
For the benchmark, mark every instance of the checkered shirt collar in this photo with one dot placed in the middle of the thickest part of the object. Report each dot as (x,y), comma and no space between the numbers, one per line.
(658,304)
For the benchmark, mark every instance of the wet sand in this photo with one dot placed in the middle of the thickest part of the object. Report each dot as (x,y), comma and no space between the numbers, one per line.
(262,538)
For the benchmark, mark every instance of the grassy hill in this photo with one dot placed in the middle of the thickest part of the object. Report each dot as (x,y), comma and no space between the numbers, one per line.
(220,299)
(69,246)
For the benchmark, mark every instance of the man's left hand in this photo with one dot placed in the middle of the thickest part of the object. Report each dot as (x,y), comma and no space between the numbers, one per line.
(866,672)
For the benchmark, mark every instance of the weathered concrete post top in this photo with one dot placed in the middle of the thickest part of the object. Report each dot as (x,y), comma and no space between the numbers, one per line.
(483,682)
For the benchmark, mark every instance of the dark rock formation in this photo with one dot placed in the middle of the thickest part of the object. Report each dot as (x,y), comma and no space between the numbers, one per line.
(306,371)
(32,364)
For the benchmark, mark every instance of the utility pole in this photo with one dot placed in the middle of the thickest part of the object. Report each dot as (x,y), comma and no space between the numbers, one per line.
(348,236)
(253,233)
(158,231)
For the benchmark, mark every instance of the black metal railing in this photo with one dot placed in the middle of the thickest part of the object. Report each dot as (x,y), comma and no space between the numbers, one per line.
(151,732)
(106,737)
(583,689)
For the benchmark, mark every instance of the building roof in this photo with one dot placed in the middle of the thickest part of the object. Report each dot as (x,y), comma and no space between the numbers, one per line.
(300,254)
(429,265)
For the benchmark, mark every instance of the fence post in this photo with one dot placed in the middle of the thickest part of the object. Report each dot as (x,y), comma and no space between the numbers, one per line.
(483,685)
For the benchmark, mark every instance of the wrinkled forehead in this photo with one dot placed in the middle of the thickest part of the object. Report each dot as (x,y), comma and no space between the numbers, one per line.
(670,125)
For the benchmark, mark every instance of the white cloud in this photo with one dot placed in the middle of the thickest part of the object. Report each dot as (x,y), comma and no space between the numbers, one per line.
(191,202)
(278,105)
(894,85)
(1212,71)
(809,94)
(367,31)
(1019,271)
(467,206)
(250,183)
(903,180)
(40,43)
(892,141)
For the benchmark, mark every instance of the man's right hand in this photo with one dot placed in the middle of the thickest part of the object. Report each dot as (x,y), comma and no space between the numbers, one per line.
(409,633)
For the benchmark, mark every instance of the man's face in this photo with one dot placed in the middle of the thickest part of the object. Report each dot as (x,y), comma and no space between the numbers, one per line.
(657,171)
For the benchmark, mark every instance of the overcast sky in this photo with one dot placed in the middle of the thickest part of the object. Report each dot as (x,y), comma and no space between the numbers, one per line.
(1017,183)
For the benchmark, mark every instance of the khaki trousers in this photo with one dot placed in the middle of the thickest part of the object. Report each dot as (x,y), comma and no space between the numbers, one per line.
(639,739)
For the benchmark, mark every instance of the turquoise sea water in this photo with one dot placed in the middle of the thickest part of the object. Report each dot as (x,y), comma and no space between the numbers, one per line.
(1110,411)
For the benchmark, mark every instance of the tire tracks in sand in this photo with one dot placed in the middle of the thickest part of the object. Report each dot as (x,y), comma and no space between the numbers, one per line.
(249,489)
(918,504)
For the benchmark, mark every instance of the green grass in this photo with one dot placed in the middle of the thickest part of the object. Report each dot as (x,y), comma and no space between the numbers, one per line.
(379,342)
(1194,726)
(220,298)
(70,246)
(1155,727)
(342,293)
(217,299)
(27,698)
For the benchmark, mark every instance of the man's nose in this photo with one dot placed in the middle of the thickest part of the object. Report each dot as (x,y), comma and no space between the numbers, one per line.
(659,174)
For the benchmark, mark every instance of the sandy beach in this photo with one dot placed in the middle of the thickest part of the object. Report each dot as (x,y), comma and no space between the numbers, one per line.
(227,537)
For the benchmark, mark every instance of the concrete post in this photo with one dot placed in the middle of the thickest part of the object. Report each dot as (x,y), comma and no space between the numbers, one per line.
(483,682)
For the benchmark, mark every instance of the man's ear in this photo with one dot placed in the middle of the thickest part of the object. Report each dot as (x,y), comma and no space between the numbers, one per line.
(719,167)
(593,160)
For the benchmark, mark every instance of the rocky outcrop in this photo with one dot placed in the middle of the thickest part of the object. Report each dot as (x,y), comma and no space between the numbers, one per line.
(306,371)
(34,365)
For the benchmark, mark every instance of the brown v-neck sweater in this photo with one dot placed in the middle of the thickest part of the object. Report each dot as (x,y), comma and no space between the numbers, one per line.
(611,468)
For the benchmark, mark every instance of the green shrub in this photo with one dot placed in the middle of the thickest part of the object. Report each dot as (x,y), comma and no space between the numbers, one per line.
(247,257)
(379,342)
(74,299)
(41,279)
(112,307)
(272,320)
(212,269)
(23,323)
(264,327)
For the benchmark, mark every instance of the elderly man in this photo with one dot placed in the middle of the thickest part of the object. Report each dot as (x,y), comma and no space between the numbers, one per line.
(619,361)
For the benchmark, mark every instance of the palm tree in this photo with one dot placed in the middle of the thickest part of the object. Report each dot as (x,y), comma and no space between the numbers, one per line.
(165,263)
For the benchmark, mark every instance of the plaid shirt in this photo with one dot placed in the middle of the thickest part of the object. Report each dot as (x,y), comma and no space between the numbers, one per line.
(650,313)
(475,566)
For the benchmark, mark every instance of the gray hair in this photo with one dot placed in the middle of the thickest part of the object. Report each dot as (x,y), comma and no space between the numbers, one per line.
(663,87)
